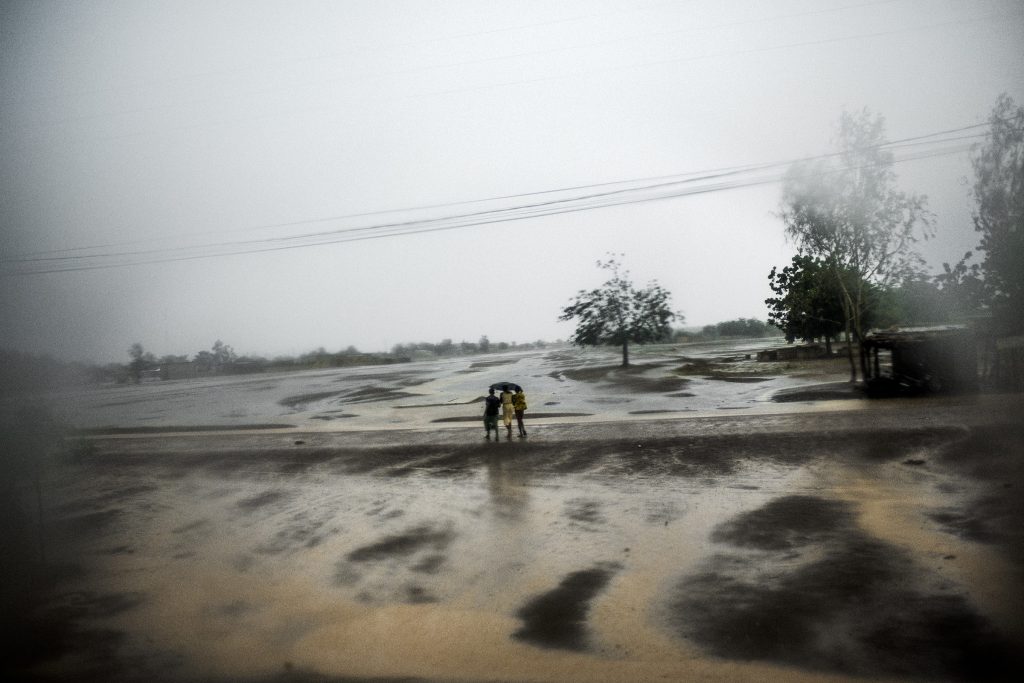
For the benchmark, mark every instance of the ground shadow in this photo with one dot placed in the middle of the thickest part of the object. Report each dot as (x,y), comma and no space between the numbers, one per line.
(798,583)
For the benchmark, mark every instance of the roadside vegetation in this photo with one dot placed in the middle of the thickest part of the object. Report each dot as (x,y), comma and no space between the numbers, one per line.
(856,266)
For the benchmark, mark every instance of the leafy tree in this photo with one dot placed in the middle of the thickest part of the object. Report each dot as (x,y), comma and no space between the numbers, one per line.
(222,354)
(962,288)
(618,313)
(742,327)
(807,304)
(140,360)
(847,212)
(219,356)
(999,213)
(918,301)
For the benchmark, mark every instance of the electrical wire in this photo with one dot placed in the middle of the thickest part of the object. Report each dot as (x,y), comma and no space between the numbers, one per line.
(749,176)
(693,176)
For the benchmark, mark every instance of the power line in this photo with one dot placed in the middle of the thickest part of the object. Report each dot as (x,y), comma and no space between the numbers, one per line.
(749,176)
(692,176)
(627,185)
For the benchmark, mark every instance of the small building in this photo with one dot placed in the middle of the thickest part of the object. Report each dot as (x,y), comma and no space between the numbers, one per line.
(178,370)
(912,359)
(1007,366)
(790,353)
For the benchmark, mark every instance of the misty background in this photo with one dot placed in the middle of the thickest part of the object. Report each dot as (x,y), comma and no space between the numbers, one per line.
(284,176)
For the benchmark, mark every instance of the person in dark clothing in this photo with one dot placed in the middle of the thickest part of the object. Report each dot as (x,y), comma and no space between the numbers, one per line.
(492,406)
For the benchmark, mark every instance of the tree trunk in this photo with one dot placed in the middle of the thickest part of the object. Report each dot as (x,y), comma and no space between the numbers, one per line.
(863,359)
(849,356)
(857,308)
(849,340)
(625,354)
(41,530)
(828,346)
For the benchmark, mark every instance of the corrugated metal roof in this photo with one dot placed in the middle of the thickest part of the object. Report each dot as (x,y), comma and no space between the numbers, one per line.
(907,335)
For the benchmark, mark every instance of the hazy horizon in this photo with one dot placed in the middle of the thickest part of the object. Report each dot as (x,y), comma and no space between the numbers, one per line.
(287,176)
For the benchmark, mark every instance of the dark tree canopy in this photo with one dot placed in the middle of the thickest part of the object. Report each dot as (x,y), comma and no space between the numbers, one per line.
(962,288)
(141,360)
(917,301)
(742,327)
(219,356)
(807,305)
(617,313)
(999,212)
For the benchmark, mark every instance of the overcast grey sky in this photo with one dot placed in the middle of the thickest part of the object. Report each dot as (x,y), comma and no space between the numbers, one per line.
(225,151)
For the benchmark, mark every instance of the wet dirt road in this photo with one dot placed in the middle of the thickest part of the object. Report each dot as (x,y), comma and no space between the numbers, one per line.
(561,383)
(881,543)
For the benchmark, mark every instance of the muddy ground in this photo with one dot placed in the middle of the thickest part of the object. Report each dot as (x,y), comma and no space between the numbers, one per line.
(815,543)
(560,383)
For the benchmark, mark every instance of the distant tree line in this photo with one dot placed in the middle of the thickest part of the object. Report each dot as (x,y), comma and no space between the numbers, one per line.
(22,371)
(446,347)
(222,359)
(738,328)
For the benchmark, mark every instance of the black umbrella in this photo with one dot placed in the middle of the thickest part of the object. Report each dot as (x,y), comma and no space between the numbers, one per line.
(506,385)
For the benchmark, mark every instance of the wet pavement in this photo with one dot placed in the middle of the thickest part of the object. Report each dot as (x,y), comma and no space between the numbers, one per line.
(826,541)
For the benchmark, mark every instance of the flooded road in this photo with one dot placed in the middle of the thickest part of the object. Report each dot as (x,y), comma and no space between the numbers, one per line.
(883,542)
(565,383)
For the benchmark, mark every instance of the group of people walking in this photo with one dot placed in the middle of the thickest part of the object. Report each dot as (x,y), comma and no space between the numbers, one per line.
(509,404)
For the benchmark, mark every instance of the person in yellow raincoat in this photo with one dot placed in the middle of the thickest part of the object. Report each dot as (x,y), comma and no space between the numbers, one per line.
(519,405)
(507,410)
